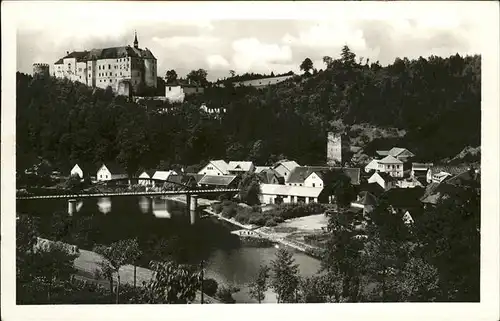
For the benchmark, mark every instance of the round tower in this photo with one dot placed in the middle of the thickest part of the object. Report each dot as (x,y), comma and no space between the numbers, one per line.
(40,70)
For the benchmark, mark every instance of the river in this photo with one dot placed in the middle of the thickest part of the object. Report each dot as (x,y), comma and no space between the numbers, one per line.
(226,259)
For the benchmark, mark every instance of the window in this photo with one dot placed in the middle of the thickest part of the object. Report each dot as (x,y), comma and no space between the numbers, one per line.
(100,176)
(109,66)
(314,185)
(218,173)
(169,88)
(99,67)
(80,69)
(120,73)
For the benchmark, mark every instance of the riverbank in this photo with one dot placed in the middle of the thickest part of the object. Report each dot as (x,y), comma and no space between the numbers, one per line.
(268,233)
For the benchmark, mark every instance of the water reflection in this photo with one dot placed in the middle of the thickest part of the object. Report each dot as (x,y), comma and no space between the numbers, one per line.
(104,205)
(79,205)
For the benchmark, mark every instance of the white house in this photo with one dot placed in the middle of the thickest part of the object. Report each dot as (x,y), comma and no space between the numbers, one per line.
(383,179)
(372,166)
(215,168)
(76,171)
(174,93)
(284,168)
(277,194)
(237,167)
(110,172)
(144,178)
(365,200)
(313,180)
(391,165)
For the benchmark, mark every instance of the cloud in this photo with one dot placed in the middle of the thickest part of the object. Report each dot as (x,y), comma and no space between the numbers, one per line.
(250,53)
(217,61)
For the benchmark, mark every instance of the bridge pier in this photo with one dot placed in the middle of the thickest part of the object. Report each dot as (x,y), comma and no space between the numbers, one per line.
(191,205)
(71,206)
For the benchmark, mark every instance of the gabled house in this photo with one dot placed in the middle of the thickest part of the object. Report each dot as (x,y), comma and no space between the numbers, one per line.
(77,171)
(111,171)
(163,175)
(391,165)
(401,154)
(216,181)
(384,180)
(372,166)
(259,169)
(238,168)
(215,168)
(145,177)
(284,168)
(366,201)
(270,176)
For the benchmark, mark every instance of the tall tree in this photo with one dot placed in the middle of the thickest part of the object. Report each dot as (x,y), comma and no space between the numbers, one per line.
(285,277)
(259,286)
(306,65)
(249,187)
(171,76)
(198,76)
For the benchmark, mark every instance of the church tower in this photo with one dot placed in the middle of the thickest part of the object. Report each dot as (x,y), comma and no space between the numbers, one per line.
(136,43)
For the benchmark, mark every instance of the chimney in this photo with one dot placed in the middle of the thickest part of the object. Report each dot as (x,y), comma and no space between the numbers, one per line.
(67,52)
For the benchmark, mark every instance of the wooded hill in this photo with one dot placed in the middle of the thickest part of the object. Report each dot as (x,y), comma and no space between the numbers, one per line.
(435,101)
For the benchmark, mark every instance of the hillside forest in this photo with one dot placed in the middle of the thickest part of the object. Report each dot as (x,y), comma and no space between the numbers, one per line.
(430,106)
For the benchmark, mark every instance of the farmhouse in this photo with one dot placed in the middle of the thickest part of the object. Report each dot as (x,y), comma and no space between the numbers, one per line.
(111,171)
(145,176)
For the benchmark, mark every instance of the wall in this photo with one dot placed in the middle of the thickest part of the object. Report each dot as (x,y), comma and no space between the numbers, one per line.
(41,70)
(124,88)
(150,72)
(174,93)
(334,149)
(395,170)
(193,90)
(313,179)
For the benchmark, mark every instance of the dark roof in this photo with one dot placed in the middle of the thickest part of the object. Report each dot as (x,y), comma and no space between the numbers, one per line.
(373,188)
(267,175)
(300,173)
(404,197)
(150,172)
(434,191)
(224,180)
(115,168)
(386,177)
(366,198)
(109,53)
(178,179)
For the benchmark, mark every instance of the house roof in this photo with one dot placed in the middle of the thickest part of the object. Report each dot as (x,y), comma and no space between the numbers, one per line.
(396,151)
(259,169)
(285,190)
(85,167)
(176,179)
(300,173)
(183,83)
(373,188)
(266,176)
(404,197)
(109,53)
(373,164)
(366,198)
(217,180)
(390,160)
(383,152)
(163,175)
(385,176)
(243,166)
(149,172)
(290,165)
(421,166)
(221,165)
(115,168)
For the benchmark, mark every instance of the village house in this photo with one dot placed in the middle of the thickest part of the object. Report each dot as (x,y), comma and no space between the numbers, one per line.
(215,168)
(215,181)
(111,171)
(145,177)
(372,166)
(384,180)
(422,172)
(401,154)
(178,90)
(405,202)
(279,194)
(162,176)
(366,201)
(284,168)
(391,165)
(270,176)
(240,167)
(77,171)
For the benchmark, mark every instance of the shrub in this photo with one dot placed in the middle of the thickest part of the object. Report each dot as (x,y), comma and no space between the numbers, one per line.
(271,222)
(225,295)
(258,219)
(210,286)
(217,207)
(229,212)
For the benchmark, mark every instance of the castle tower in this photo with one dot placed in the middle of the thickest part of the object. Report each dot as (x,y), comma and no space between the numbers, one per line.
(136,43)
(40,70)
(334,149)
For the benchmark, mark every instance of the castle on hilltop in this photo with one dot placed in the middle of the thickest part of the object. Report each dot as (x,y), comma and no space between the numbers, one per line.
(125,69)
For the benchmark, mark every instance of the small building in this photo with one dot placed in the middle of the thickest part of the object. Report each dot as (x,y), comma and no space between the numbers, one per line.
(421,171)
(240,167)
(284,168)
(77,171)
(178,90)
(401,154)
(215,168)
(278,194)
(391,165)
(270,176)
(372,166)
(411,182)
(212,110)
(163,175)
(145,177)
(384,180)
(259,169)
(366,201)
(312,176)
(216,181)
(111,171)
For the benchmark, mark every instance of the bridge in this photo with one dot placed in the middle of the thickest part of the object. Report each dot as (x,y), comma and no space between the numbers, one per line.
(191,197)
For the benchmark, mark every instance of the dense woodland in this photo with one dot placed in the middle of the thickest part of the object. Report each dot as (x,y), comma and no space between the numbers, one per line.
(437,101)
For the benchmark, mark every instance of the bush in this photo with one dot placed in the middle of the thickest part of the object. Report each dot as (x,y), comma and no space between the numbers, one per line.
(258,219)
(229,212)
(224,294)
(210,286)
(271,222)
(243,217)
(217,207)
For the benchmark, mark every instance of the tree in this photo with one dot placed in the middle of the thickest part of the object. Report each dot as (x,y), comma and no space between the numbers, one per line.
(328,61)
(172,283)
(259,286)
(306,65)
(171,76)
(225,294)
(249,187)
(232,73)
(337,183)
(285,277)
(198,76)
(259,152)
(115,256)
(210,286)
(134,253)
(347,56)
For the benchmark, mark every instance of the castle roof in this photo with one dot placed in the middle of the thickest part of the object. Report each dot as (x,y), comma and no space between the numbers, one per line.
(109,53)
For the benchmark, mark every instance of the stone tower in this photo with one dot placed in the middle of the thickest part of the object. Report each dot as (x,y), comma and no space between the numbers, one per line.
(334,149)
(40,70)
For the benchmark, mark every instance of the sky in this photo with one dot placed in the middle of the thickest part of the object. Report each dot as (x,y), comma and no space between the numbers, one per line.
(249,37)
